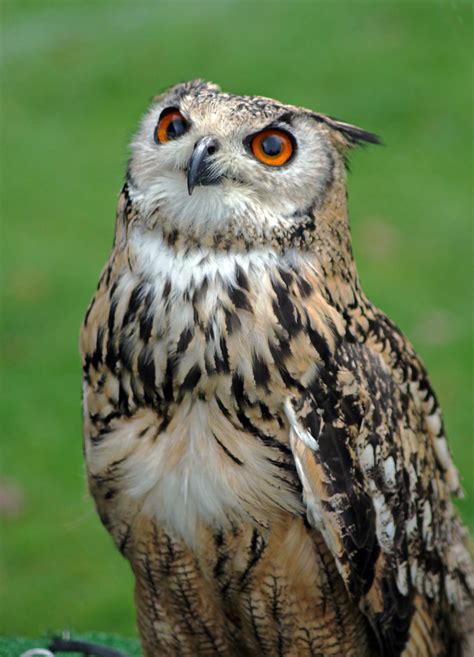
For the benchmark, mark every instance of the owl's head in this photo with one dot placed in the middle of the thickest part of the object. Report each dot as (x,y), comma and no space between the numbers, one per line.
(216,165)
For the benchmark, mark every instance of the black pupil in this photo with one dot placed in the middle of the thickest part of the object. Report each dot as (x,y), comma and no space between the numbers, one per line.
(176,128)
(272,145)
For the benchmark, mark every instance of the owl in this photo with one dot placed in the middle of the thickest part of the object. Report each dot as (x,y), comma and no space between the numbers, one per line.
(262,443)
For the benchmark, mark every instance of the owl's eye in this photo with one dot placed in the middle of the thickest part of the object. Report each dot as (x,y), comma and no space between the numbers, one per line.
(273,146)
(171,125)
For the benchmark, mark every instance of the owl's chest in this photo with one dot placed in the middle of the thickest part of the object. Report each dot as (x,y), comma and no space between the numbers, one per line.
(189,362)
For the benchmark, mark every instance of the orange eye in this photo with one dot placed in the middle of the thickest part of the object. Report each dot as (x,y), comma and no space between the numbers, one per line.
(171,125)
(272,146)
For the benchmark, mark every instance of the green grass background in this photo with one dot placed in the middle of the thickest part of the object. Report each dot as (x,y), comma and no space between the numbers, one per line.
(15,646)
(75,79)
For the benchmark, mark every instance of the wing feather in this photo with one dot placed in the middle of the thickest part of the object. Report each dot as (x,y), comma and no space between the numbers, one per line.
(374,485)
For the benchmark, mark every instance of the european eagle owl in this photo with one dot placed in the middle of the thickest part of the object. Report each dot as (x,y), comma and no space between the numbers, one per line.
(262,442)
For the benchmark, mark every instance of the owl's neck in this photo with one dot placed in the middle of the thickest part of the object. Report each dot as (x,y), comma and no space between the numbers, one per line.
(333,248)
(319,233)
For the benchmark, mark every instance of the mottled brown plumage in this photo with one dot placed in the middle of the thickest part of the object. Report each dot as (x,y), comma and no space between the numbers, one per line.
(262,443)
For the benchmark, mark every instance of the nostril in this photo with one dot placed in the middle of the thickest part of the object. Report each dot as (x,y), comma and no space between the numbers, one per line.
(207,146)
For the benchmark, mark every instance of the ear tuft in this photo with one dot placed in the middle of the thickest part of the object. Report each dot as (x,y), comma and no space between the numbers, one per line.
(353,135)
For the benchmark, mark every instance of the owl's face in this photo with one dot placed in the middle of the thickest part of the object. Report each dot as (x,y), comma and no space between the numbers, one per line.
(203,160)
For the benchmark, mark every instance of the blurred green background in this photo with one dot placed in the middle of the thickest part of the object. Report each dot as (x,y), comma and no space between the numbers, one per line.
(75,78)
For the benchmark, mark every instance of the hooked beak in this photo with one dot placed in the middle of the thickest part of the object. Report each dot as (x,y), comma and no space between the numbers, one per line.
(199,170)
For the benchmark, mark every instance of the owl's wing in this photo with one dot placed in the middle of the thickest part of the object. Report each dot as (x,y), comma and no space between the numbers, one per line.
(376,486)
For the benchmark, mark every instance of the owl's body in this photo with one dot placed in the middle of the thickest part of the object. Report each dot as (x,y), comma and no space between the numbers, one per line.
(261,442)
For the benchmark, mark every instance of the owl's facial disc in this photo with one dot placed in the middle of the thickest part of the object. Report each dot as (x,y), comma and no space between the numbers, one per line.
(205,162)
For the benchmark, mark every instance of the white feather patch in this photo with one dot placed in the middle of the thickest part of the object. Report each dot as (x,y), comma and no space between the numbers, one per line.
(184,476)
(296,428)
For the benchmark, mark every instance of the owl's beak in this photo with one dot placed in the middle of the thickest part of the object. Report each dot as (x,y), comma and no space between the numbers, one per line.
(200,171)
